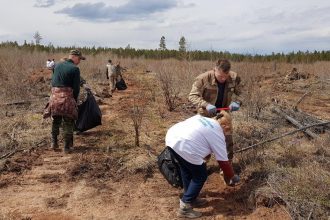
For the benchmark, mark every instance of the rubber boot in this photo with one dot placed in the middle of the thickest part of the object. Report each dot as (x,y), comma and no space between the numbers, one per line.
(54,142)
(68,144)
(186,211)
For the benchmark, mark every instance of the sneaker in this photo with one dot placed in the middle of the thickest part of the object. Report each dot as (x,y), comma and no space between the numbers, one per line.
(198,203)
(188,213)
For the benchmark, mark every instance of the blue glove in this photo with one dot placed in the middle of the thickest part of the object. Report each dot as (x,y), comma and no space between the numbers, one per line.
(234,180)
(234,106)
(211,109)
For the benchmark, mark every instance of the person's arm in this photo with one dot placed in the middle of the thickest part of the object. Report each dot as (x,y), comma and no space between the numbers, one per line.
(228,173)
(76,83)
(107,73)
(196,94)
(238,90)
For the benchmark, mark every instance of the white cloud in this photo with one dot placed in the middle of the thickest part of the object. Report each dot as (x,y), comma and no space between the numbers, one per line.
(236,26)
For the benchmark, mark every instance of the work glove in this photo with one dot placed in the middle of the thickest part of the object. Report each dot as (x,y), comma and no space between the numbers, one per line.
(234,106)
(211,109)
(86,87)
(234,180)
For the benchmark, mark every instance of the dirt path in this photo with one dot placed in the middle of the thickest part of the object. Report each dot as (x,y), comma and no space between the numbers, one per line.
(44,191)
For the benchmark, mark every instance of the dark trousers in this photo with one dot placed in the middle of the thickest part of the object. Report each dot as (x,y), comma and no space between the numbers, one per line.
(193,178)
(67,125)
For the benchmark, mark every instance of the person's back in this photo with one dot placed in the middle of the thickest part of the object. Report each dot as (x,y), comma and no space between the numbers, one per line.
(66,75)
(63,100)
(111,73)
(111,69)
(200,136)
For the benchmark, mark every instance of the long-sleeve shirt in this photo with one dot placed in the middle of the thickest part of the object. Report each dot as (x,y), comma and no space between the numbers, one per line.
(205,89)
(67,74)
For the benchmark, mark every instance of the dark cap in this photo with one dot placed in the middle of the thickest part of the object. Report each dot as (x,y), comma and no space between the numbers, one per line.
(77,53)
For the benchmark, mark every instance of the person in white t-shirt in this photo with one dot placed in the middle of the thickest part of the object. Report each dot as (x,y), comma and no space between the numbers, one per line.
(50,64)
(191,141)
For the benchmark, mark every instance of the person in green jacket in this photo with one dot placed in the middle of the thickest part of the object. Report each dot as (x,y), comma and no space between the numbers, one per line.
(63,101)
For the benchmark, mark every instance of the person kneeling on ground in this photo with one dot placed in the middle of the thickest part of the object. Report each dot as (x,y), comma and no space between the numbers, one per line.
(191,141)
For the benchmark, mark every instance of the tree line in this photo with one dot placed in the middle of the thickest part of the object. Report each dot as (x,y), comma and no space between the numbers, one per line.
(182,53)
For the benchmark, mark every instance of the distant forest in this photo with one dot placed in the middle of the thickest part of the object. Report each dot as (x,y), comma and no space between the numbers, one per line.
(128,52)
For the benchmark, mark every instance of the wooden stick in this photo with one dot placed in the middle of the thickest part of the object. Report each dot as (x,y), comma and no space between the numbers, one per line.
(295,122)
(281,136)
(295,107)
(11,153)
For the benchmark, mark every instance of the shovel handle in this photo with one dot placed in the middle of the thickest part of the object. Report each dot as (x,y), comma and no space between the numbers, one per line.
(226,108)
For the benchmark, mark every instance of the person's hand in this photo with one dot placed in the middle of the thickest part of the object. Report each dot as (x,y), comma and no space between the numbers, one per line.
(86,87)
(211,109)
(234,106)
(234,180)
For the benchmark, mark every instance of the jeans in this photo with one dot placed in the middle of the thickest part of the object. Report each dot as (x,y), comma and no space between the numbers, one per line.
(193,178)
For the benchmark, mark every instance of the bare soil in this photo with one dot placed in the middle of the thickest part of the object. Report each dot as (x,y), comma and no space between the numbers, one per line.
(92,183)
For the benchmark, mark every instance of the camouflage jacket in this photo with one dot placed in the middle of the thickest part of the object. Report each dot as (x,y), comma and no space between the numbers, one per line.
(205,90)
(62,103)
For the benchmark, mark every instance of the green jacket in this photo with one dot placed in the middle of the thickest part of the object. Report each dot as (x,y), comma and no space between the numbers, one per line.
(67,74)
(205,90)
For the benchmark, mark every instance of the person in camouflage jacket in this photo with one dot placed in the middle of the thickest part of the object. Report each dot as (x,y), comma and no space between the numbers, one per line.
(63,100)
(215,89)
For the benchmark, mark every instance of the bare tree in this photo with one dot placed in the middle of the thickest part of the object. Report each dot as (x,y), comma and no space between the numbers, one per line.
(37,37)
(136,114)
(169,87)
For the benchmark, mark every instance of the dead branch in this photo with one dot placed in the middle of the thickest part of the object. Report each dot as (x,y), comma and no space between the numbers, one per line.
(295,107)
(9,154)
(18,103)
(312,118)
(295,122)
(281,136)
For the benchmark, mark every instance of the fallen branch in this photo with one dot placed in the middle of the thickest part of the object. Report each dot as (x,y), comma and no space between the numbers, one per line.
(294,122)
(295,107)
(17,103)
(9,154)
(281,136)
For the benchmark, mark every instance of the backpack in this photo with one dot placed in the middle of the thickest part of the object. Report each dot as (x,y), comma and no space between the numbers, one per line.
(169,167)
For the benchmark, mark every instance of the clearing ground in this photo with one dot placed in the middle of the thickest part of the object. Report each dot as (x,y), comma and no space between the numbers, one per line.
(107,177)
(90,184)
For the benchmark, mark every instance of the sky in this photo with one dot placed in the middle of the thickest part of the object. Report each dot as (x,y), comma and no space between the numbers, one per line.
(237,26)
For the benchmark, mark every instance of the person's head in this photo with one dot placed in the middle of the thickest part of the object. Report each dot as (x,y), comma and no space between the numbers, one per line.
(63,59)
(222,69)
(109,61)
(225,121)
(76,56)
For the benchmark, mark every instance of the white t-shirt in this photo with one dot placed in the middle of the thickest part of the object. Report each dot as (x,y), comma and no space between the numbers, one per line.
(50,64)
(196,138)
(111,69)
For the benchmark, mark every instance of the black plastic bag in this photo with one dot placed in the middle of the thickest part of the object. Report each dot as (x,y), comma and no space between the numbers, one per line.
(169,167)
(120,84)
(89,114)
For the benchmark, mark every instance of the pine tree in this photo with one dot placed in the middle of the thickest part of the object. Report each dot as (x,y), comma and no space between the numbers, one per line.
(182,44)
(162,44)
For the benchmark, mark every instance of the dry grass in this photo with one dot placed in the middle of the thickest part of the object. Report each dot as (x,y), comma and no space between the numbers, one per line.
(292,170)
